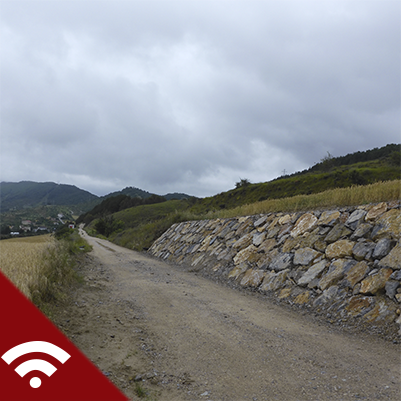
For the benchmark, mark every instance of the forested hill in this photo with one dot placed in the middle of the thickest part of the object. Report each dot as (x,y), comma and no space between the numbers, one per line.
(359,168)
(29,194)
(18,195)
(141,194)
(391,151)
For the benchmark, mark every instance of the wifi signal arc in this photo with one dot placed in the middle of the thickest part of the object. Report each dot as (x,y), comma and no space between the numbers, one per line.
(35,364)
(35,346)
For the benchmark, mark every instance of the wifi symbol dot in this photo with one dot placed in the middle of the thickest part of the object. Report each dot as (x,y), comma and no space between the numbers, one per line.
(35,382)
(35,364)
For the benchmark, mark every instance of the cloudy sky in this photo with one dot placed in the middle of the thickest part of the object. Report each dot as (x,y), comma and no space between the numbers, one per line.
(190,96)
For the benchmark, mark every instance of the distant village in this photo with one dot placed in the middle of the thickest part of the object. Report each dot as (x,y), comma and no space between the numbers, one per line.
(27,227)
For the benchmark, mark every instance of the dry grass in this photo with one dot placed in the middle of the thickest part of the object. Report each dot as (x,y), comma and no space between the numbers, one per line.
(339,197)
(34,264)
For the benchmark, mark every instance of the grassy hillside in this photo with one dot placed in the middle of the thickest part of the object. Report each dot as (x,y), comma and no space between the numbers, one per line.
(322,177)
(42,202)
(365,177)
(139,226)
(18,195)
(139,193)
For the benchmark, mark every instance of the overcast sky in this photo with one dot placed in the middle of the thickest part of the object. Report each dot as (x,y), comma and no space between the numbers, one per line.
(191,96)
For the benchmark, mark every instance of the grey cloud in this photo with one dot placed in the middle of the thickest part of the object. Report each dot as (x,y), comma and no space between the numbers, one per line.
(191,95)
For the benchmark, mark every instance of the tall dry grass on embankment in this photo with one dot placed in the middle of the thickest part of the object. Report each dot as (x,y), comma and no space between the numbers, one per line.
(38,265)
(339,197)
(141,230)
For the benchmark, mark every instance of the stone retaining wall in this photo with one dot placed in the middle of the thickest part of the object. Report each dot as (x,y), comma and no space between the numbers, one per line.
(343,263)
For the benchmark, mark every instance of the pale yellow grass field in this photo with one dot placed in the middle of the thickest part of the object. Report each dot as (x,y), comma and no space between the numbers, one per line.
(339,197)
(23,261)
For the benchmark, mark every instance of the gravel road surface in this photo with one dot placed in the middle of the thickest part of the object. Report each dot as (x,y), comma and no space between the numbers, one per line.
(160,332)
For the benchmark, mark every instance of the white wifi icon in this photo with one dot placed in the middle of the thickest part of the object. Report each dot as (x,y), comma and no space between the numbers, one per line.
(35,364)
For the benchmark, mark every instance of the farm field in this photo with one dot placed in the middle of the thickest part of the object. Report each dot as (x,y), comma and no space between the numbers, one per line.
(25,261)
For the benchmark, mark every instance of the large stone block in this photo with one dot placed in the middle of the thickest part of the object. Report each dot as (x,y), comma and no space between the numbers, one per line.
(267,258)
(329,217)
(328,296)
(382,248)
(391,288)
(355,218)
(376,282)
(337,232)
(290,243)
(284,230)
(205,243)
(267,245)
(382,311)
(363,250)
(308,240)
(284,220)
(305,223)
(305,256)
(376,211)
(260,221)
(248,254)
(302,298)
(388,225)
(243,242)
(362,231)
(272,233)
(274,281)
(393,259)
(356,274)
(312,273)
(237,271)
(340,249)
(252,278)
(258,238)
(336,272)
(359,305)
(281,261)
(245,226)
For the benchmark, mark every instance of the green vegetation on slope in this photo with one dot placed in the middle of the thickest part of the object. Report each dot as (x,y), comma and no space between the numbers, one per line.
(137,227)
(310,182)
(115,204)
(17,195)
(140,226)
(326,184)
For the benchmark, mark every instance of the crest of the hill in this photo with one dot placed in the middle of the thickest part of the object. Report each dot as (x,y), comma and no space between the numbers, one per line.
(25,194)
(137,226)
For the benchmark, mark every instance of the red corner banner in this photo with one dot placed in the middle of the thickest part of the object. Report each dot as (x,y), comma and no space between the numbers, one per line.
(38,362)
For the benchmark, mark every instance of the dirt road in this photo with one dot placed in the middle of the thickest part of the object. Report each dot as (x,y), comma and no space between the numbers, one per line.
(154,327)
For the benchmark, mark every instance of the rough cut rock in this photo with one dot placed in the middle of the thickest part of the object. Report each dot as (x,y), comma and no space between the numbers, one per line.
(356,274)
(336,272)
(340,249)
(305,223)
(376,211)
(305,256)
(346,263)
(393,259)
(253,278)
(376,282)
(312,273)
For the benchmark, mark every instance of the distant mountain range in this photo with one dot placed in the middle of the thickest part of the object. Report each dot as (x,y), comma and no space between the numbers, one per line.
(27,194)
(359,168)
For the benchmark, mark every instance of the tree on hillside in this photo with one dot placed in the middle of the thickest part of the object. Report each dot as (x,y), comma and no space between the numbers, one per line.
(107,225)
(327,162)
(244,182)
